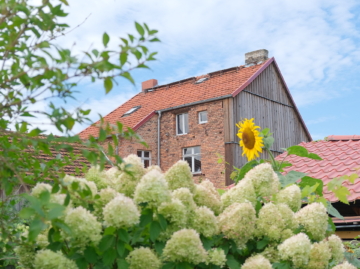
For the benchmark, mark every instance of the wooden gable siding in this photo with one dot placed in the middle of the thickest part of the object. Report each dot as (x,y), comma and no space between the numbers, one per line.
(267,101)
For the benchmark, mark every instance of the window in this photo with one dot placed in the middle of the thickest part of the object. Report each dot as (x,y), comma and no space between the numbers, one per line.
(193,157)
(182,124)
(203,117)
(131,110)
(145,157)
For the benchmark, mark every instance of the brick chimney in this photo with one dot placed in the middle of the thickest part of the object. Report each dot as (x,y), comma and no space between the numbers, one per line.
(148,84)
(255,57)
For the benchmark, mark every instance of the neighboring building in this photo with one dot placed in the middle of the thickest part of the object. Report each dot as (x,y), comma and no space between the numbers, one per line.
(341,156)
(194,119)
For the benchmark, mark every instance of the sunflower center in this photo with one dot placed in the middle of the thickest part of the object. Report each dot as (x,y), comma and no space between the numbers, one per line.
(248,138)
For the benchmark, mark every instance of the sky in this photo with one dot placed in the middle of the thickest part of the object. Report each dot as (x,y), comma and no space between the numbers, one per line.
(316,44)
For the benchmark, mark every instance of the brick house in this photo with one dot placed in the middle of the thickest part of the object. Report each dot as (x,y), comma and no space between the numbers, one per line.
(194,119)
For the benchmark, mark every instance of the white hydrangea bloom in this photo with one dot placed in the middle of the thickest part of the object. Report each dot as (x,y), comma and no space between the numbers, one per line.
(204,197)
(26,255)
(84,226)
(39,188)
(291,196)
(217,256)
(210,186)
(46,259)
(121,212)
(336,247)
(126,183)
(288,216)
(95,175)
(153,167)
(204,221)
(175,212)
(179,176)
(319,256)
(344,265)
(185,246)
(186,197)
(270,222)
(237,222)
(257,262)
(42,239)
(106,195)
(263,178)
(243,192)
(152,189)
(141,258)
(83,184)
(314,218)
(296,249)
(271,253)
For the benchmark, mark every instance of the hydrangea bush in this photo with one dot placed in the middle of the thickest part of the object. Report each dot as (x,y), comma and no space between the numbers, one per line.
(164,220)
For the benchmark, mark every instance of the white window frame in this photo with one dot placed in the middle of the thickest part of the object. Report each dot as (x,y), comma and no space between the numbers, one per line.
(143,158)
(192,155)
(201,122)
(177,129)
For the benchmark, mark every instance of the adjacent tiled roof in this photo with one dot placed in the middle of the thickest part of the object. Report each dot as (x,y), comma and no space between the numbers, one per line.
(221,83)
(341,156)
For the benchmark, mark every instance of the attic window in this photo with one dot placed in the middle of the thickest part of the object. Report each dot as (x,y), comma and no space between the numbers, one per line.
(131,110)
(201,80)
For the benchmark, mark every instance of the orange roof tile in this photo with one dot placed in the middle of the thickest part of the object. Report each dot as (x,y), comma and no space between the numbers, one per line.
(221,83)
(341,156)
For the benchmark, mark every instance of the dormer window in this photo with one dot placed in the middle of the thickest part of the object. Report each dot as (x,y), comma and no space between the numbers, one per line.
(131,110)
(182,124)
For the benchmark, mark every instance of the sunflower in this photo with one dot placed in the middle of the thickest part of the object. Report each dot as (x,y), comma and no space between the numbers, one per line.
(250,139)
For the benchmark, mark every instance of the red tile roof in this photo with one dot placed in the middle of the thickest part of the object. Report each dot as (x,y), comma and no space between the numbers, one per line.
(341,156)
(221,83)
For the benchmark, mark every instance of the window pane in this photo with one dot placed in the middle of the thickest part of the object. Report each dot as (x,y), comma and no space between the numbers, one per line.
(186,121)
(146,163)
(180,124)
(203,116)
(139,153)
(187,151)
(197,162)
(188,159)
(147,154)
(196,150)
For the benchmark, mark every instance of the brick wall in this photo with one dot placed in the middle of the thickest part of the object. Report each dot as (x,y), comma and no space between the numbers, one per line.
(209,136)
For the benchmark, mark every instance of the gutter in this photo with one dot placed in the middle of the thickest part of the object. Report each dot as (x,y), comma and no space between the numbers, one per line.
(158,139)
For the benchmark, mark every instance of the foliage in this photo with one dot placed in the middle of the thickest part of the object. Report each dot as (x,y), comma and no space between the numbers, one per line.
(35,70)
(157,230)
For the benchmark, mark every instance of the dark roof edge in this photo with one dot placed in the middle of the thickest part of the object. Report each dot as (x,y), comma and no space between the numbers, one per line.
(140,123)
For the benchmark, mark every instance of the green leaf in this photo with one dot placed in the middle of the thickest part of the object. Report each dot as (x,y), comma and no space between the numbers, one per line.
(139,28)
(155,230)
(290,177)
(262,243)
(310,181)
(45,197)
(109,256)
(342,193)
(120,248)
(124,236)
(302,152)
(81,263)
(231,262)
(246,168)
(146,218)
(90,254)
(281,265)
(106,39)
(123,58)
(108,84)
(268,142)
(36,226)
(122,263)
(55,211)
(159,246)
(169,265)
(26,213)
(106,242)
(109,230)
(331,226)
(333,211)
(162,221)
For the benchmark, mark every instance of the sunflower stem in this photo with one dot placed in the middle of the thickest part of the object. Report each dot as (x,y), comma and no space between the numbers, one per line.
(273,162)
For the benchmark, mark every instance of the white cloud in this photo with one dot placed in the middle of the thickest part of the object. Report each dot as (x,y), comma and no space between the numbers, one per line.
(312,40)
(320,120)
